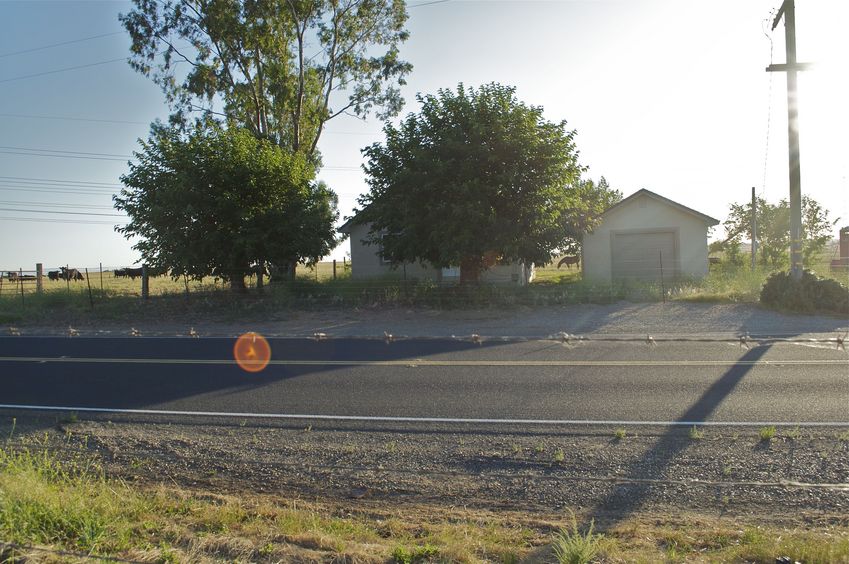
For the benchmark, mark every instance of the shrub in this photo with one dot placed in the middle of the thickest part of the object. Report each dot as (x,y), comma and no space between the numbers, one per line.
(573,547)
(809,294)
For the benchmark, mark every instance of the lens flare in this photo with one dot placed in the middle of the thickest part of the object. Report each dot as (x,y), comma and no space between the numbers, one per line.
(252,352)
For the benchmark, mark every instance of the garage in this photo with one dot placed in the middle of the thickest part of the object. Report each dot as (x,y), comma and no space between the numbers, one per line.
(644,235)
(644,255)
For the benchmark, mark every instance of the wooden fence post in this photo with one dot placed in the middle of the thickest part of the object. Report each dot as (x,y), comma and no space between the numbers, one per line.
(101,280)
(68,279)
(88,281)
(21,282)
(39,274)
(334,269)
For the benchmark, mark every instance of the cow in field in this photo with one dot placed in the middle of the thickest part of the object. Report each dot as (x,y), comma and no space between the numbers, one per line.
(120,273)
(12,276)
(53,275)
(71,274)
(134,273)
(569,261)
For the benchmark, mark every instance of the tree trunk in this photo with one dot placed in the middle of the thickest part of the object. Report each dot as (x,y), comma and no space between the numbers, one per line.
(470,269)
(283,272)
(237,284)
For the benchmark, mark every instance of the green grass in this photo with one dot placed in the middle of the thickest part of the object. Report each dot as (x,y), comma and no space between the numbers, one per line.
(766,434)
(571,546)
(619,434)
(696,434)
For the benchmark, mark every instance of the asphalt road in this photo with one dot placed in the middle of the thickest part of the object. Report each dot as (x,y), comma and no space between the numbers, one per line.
(601,381)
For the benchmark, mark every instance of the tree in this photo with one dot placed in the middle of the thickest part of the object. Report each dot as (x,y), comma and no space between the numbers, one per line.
(280,68)
(476,174)
(218,202)
(774,230)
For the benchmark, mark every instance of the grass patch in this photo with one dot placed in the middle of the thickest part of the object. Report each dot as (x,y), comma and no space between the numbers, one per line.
(571,546)
(619,433)
(766,434)
(696,434)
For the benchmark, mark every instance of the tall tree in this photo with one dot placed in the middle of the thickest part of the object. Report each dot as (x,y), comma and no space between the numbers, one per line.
(218,202)
(774,230)
(281,68)
(476,173)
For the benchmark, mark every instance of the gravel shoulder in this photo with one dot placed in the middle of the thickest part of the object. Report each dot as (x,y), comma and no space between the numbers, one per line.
(800,477)
(624,318)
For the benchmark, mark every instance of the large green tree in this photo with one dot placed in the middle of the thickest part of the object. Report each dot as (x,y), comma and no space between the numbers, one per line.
(281,68)
(219,202)
(475,174)
(774,230)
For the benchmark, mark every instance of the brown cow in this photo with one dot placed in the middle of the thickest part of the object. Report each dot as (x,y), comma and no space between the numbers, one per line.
(569,261)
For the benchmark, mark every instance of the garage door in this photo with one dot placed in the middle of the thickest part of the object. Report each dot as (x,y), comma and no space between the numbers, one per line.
(640,255)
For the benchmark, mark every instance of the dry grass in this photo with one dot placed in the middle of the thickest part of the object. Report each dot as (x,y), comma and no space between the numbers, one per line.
(71,505)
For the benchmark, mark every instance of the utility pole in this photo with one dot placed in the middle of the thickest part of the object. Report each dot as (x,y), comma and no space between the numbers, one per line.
(754,228)
(788,10)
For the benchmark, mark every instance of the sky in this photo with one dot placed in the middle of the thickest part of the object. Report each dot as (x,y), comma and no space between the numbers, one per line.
(668,95)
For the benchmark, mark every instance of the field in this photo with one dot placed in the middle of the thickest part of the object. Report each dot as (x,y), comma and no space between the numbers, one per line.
(104,296)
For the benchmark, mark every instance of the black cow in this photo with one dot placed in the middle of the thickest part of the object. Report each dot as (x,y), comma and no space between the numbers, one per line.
(53,275)
(120,273)
(134,273)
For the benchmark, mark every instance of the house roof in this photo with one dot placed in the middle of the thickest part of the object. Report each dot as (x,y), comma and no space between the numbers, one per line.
(643,192)
(346,227)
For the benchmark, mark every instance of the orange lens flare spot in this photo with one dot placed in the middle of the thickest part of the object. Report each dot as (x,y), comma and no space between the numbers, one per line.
(252,352)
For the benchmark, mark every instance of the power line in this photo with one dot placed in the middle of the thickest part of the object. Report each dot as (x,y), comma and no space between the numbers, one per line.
(62,70)
(58,204)
(428,3)
(51,220)
(52,45)
(69,118)
(63,212)
(64,151)
(40,180)
(60,156)
(38,190)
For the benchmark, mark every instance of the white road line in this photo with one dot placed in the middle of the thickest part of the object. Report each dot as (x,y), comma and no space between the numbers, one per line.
(416,362)
(386,419)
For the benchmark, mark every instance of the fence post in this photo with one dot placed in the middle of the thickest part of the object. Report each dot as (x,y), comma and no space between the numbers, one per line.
(145,283)
(88,281)
(68,279)
(39,273)
(101,280)
(662,289)
(21,282)
(334,269)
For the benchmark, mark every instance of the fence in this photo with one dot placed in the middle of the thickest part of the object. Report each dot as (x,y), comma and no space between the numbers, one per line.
(102,281)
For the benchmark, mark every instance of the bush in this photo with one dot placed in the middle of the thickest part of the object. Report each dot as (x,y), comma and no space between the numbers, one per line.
(811,293)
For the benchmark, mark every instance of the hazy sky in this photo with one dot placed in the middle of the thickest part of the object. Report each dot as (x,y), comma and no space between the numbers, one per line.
(666,95)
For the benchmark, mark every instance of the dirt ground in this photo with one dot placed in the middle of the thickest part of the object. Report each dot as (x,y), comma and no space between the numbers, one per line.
(799,477)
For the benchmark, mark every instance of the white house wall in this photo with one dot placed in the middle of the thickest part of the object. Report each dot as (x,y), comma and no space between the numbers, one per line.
(644,214)
(366,262)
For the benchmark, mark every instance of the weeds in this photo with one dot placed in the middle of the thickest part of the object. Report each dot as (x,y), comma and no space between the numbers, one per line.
(573,547)
(766,434)
(696,434)
(559,455)
(619,433)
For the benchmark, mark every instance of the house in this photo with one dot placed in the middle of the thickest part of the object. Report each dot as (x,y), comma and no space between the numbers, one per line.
(646,237)
(367,262)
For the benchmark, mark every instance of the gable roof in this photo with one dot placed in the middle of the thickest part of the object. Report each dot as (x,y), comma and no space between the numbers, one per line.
(346,227)
(643,192)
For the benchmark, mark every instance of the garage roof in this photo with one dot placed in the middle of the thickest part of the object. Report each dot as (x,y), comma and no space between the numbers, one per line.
(643,192)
